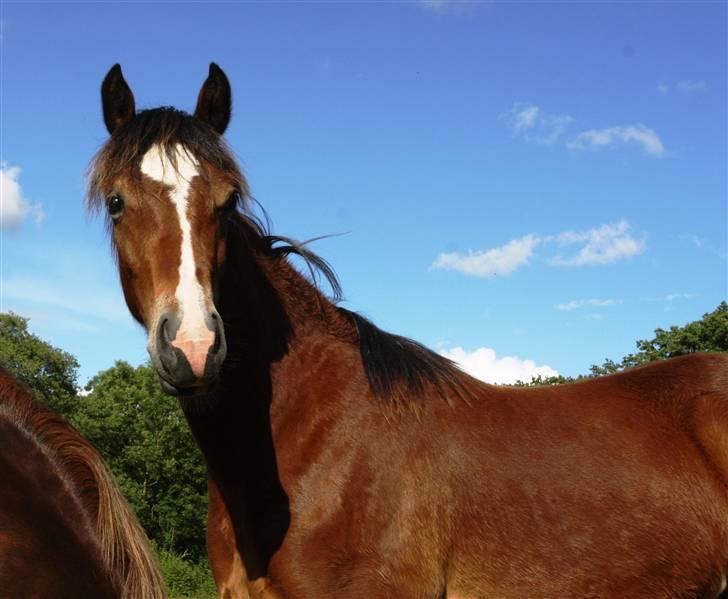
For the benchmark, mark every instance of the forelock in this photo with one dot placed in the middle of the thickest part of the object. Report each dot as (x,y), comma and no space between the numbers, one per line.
(167,128)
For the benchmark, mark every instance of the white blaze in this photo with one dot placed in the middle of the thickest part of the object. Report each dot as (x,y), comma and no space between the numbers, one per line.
(189,292)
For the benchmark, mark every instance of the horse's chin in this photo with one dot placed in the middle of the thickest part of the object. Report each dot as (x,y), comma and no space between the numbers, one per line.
(196,391)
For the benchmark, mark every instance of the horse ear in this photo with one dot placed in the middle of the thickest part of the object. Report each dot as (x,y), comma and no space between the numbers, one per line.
(116,99)
(214,101)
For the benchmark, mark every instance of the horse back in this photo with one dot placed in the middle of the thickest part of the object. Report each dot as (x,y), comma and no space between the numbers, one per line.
(620,479)
(47,540)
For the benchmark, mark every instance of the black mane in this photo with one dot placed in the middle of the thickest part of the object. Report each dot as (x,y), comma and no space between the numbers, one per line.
(398,369)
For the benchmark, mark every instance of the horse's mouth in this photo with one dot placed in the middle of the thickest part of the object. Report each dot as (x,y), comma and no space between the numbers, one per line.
(199,390)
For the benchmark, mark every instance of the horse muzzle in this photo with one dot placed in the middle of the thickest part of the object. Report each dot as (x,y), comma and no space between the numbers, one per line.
(187,360)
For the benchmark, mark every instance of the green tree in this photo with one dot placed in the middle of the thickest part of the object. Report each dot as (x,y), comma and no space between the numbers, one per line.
(50,372)
(709,334)
(540,381)
(143,435)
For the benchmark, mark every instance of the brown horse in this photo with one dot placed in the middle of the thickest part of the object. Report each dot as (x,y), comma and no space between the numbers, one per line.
(345,462)
(66,532)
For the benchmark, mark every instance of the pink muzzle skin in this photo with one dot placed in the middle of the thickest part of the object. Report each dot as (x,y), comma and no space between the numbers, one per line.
(195,350)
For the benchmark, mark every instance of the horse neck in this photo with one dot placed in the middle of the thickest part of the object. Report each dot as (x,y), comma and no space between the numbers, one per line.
(271,313)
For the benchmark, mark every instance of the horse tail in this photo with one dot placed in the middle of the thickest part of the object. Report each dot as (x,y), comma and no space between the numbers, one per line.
(124,545)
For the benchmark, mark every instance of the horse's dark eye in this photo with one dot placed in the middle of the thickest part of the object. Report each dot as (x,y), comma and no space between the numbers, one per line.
(115,206)
(232,202)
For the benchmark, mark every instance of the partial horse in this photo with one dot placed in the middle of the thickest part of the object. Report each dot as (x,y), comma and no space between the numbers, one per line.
(66,532)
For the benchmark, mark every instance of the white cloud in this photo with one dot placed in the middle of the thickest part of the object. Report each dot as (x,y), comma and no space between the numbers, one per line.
(502,260)
(438,6)
(531,123)
(691,86)
(14,208)
(594,303)
(524,116)
(685,86)
(696,240)
(669,297)
(534,125)
(484,364)
(611,136)
(442,7)
(602,245)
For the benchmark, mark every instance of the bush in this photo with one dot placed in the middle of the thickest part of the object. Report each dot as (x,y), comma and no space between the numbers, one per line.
(186,579)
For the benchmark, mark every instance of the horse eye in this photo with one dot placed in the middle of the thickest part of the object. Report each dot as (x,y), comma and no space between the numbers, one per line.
(232,202)
(115,206)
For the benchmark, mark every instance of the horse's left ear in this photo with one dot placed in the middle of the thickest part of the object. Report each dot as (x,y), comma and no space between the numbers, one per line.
(214,101)
(116,99)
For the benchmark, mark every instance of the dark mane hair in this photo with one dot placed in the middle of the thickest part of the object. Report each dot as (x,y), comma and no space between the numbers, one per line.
(395,366)
(398,368)
(124,547)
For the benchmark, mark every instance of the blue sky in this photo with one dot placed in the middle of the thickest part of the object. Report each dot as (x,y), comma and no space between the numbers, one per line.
(539,181)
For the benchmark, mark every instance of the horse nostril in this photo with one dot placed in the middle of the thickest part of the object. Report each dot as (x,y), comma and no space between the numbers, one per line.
(218,344)
(162,336)
(165,330)
(165,351)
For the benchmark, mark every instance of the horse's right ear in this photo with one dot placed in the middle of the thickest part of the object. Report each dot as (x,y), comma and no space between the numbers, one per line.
(214,101)
(116,99)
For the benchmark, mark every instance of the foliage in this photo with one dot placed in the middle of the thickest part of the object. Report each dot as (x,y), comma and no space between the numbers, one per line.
(143,436)
(709,334)
(49,372)
(540,381)
(186,579)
